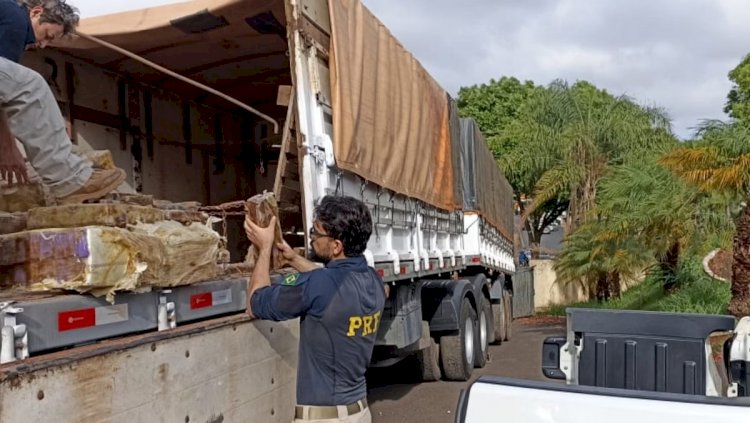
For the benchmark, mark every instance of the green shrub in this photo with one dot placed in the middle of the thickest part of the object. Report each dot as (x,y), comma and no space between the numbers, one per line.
(697,292)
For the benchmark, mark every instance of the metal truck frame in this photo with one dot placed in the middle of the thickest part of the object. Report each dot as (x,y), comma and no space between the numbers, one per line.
(189,353)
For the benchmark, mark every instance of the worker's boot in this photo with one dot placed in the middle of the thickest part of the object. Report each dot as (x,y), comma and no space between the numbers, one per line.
(101,183)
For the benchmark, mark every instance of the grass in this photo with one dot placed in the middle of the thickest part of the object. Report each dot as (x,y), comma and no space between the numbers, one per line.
(695,292)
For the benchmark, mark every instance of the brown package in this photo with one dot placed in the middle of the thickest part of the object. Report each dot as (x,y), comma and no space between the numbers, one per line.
(261,208)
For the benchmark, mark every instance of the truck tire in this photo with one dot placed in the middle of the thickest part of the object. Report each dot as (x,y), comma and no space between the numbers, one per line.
(508,299)
(457,351)
(429,362)
(485,332)
(498,318)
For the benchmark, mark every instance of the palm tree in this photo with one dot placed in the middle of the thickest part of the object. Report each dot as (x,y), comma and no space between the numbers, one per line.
(600,263)
(570,136)
(665,215)
(720,161)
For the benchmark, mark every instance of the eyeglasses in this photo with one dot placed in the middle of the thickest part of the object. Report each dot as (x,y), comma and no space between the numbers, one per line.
(315,234)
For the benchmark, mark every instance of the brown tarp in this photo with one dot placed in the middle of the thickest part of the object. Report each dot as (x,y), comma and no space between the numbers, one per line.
(390,118)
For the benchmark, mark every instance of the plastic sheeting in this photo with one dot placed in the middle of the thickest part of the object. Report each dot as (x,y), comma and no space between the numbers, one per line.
(455,131)
(390,118)
(485,189)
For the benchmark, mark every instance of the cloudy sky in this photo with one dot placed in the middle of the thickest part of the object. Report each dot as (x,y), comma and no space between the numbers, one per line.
(669,53)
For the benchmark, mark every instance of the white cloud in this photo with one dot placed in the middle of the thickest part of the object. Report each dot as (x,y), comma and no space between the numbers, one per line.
(671,53)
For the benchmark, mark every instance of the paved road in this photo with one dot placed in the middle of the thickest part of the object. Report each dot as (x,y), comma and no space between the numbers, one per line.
(395,397)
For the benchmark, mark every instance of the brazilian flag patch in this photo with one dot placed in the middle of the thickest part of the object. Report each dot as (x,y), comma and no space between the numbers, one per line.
(291,280)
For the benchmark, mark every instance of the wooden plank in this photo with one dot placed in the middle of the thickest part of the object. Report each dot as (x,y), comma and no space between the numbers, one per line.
(291,172)
(187,132)
(292,185)
(134,102)
(96,116)
(70,88)
(218,144)
(316,11)
(284,96)
(286,139)
(149,122)
(122,111)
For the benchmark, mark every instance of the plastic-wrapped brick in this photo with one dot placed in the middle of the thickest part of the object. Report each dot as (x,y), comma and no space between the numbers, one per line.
(103,260)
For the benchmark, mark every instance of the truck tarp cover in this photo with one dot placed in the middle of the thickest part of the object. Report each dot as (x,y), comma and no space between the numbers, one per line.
(390,118)
(485,188)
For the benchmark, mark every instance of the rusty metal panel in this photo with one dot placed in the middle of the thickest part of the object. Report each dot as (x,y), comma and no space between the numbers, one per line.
(523,293)
(240,371)
(317,12)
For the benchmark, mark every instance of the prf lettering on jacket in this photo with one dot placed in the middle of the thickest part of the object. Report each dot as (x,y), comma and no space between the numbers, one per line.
(367,324)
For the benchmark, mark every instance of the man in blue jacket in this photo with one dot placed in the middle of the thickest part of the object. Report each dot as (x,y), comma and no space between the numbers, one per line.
(340,306)
(29,111)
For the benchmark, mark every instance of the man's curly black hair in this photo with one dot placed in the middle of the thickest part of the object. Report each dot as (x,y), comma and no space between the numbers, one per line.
(346,219)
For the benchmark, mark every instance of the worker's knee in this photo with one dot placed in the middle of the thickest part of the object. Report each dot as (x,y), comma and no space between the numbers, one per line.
(32,81)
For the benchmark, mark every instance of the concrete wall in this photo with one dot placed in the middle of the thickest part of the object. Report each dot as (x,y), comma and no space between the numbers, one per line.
(547,292)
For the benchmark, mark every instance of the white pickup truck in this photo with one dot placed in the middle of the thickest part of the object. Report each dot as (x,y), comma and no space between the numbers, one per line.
(627,366)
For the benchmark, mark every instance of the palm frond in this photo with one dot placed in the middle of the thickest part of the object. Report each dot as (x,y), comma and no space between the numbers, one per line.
(688,159)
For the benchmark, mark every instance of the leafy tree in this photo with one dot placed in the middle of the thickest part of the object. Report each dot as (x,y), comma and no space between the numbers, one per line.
(568,137)
(721,162)
(738,99)
(598,262)
(647,203)
(495,106)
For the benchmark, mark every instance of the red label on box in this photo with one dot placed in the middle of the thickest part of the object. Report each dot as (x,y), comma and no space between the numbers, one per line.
(76,319)
(201,301)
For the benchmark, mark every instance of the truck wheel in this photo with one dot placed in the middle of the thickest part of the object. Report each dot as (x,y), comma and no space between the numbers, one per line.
(457,351)
(508,299)
(429,362)
(498,318)
(485,332)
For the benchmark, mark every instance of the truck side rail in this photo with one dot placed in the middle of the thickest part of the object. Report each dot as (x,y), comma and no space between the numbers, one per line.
(492,399)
